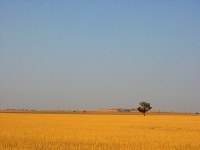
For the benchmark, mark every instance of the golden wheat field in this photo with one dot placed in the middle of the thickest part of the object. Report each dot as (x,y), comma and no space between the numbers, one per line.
(98,132)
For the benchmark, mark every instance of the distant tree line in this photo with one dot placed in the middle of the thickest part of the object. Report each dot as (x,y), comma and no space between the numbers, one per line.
(126,110)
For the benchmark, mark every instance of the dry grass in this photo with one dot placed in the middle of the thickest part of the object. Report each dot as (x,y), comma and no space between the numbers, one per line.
(95,132)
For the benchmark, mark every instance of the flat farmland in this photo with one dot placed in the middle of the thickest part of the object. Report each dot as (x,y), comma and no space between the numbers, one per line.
(98,132)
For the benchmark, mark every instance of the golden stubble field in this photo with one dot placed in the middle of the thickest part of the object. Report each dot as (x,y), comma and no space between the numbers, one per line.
(98,132)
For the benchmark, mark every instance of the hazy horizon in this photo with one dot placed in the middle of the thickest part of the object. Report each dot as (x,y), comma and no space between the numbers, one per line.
(100,54)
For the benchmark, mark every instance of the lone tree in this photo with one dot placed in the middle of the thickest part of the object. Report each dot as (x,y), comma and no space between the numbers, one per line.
(144,107)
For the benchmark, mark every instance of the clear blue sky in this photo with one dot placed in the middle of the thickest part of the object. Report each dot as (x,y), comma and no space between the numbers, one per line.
(100,54)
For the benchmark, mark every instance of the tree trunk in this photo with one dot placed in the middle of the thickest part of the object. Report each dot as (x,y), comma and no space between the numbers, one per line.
(144,114)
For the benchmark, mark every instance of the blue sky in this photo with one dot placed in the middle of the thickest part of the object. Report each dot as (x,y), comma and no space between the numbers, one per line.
(100,54)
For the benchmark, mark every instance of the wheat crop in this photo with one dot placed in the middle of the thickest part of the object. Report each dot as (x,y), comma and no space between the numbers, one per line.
(98,132)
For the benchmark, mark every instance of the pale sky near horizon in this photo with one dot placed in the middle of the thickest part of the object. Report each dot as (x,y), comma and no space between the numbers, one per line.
(100,54)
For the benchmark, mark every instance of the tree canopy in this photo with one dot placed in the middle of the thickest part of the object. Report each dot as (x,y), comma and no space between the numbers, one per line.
(144,107)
